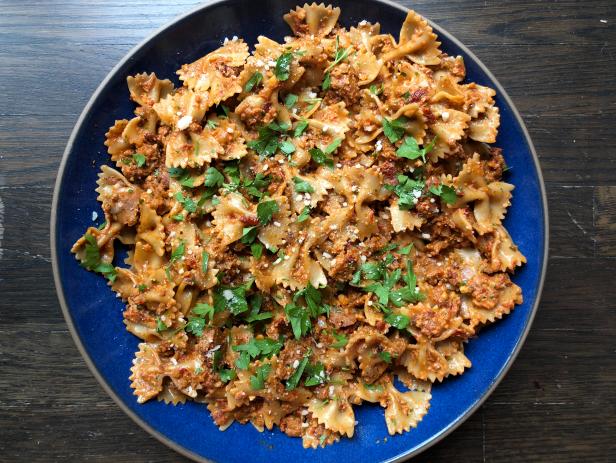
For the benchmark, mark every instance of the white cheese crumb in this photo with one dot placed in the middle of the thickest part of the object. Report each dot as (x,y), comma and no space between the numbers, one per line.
(432,200)
(295,363)
(299,198)
(307,202)
(327,255)
(358,166)
(286,257)
(425,236)
(369,128)
(345,204)
(445,116)
(305,425)
(363,22)
(229,129)
(312,95)
(331,391)
(174,361)
(320,345)
(281,161)
(94,216)
(321,323)
(276,224)
(189,252)
(184,122)
(265,167)
(354,188)
(181,271)
(304,412)
(333,226)
(338,165)
(179,113)
(369,302)
(378,146)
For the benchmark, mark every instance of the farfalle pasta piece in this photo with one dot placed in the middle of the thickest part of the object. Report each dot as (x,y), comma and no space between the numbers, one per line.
(434,362)
(147,89)
(183,105)
(335,414)
(119,197)
(215,76)
(147,372)
(314,20)
(404,220)
(417,42)
(228,217)
(404,409)
(485,128)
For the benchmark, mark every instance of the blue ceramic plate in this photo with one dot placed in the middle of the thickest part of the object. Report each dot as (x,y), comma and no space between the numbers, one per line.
(94,314)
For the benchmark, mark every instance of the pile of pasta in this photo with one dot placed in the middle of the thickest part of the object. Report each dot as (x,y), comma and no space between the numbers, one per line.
(312,225)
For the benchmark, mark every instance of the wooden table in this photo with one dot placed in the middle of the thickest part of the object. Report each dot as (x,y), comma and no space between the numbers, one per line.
(557,60)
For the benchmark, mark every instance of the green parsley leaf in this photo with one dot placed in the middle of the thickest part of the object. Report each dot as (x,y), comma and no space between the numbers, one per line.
(256,186)
(399,321)
(243,361)
(257,381)
(394,129)
(290,100)
(302,186)
(178,252)
(254,80)
(160,325)
(320,157)
(139,159)
(341,341)
(406,250)
(333,146)
(376,90)
(256,250)
(445,192)
(298,317)
(204,311)
(102,225)
(327,81)
(283,66)
(293,381)
(304,215)
(408,190)
(300,127)
(267,143)
(249,234)
(232,298)
(410,149)
(226,374)
(213,177)
(142,288)
(340,55)
(186,202)
(92,259)
(315,375)
(211,124)
(286,147)
(178,217)
(266,210)
(195,326)
(385,356)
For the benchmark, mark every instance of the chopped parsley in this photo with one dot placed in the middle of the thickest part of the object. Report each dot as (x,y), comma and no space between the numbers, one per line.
(286,147)
(256,250)
(304,215)
(327,81)
(178,217)
(254,80)
(267,143)
(293,381)
(139,159)
(187,202)
(394,129)
(341,340)
(321,156)
(445,192)
(290,100)
(315,375)
(340,55)
(300,316)
(258,380)
(231,298)
(195,326)
(178,252)
(213,177)
(211,124)
(283,66)
(376,90)
(300,127)
(410,149)
(399,321)
(92,259)
(257,185)
(385,356)
(266,210)
(302,186)
(160,325)
(408,191)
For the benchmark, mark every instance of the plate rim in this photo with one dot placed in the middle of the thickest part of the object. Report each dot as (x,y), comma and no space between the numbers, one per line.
(166,440)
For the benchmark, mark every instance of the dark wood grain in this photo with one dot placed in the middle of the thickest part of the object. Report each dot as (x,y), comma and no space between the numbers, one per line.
(557,61)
